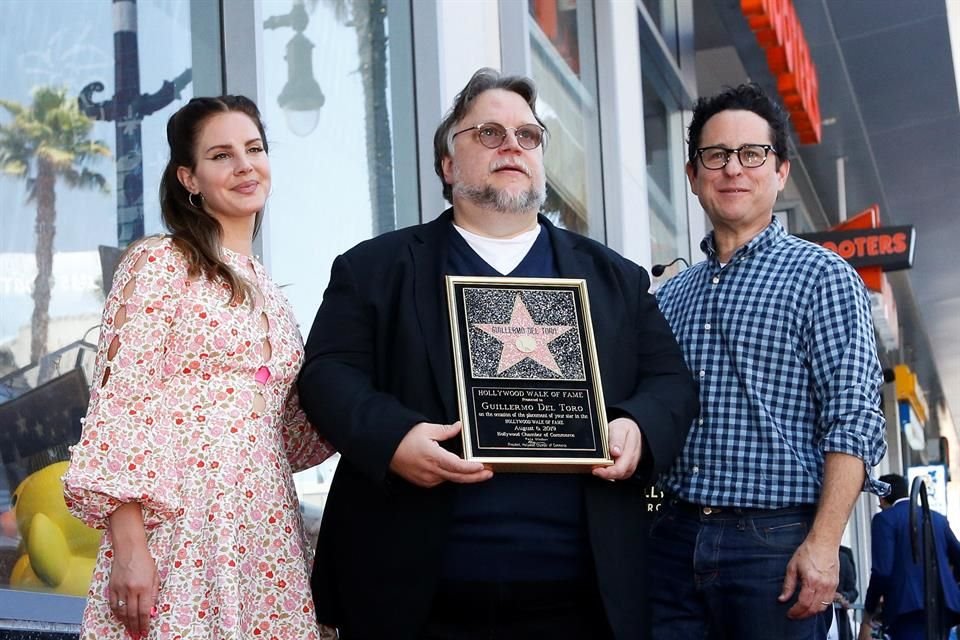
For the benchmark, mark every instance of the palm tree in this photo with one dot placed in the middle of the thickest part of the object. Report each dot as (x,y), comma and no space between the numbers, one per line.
(46,141)
(370,21)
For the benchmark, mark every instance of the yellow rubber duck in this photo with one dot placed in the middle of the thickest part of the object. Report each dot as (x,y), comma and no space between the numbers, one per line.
(59,550)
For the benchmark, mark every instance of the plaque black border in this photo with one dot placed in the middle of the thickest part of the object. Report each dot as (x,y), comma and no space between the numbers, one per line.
(546,460)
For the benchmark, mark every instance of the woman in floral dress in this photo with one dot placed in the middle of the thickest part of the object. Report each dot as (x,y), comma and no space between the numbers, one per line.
(193,428)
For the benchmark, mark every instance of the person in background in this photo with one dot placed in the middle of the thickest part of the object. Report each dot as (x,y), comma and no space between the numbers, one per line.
(417,542)
(846,594)
(778,332)
(194,427)
(898,581)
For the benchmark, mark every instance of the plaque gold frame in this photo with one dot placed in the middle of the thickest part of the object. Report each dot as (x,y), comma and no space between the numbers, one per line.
(546,459)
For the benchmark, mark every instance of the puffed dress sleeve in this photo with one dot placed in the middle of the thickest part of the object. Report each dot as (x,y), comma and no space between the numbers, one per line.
(123,452)
(304,446)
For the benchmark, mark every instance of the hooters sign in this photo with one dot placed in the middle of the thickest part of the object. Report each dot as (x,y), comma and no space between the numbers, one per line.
(778,30)
(890,248)
(868,247)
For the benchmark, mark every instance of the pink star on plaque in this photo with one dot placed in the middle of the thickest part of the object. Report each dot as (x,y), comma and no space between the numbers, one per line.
(523,338)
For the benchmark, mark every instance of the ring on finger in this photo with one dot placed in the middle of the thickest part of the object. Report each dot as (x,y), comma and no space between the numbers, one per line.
(824,603)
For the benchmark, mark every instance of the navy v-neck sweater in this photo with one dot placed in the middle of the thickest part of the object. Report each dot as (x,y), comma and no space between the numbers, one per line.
(516,526)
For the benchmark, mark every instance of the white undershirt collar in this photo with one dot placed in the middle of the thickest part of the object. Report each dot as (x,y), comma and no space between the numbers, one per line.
(503,254)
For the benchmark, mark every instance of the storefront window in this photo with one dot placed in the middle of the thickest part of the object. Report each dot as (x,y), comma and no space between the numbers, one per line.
(338,105)
(663,137)
(344,168)
(87,91)
(663,14)
(563,65)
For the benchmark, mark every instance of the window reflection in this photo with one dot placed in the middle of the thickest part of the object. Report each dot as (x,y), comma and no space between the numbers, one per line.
(663,138)
(339,183)
(74,195)
(663,13)
(564,68)
(353,174)
(558,20)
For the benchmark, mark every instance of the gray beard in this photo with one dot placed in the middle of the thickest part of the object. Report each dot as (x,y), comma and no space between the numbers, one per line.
(501,201)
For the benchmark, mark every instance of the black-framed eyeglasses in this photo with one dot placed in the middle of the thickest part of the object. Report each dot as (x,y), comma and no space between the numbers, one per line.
(493,134)
(750,156)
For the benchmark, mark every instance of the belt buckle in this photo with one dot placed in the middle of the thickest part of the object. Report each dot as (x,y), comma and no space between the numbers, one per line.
(708,510)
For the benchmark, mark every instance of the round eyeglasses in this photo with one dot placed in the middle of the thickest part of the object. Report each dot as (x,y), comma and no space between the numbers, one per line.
(492,135)
(750,156)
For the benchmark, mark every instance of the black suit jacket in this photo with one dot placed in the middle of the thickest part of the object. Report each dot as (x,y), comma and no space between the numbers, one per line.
(379,360)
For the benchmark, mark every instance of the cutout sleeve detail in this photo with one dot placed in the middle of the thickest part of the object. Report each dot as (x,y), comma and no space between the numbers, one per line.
(122,453)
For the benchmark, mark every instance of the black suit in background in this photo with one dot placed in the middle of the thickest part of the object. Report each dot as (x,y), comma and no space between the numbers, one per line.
(847,587)
(379,361)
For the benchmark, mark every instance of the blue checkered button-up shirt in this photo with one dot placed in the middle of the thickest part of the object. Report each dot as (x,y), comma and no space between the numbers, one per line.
(781,341)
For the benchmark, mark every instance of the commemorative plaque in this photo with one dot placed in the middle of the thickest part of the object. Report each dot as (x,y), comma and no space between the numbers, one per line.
(528,384)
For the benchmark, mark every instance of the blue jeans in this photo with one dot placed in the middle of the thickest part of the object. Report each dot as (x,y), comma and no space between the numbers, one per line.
(717,576)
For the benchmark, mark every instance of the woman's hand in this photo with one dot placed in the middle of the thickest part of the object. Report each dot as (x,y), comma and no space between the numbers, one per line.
(134,581)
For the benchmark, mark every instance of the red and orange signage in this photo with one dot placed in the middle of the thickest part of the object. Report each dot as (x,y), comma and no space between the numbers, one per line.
(889,248)
(868,247)
(779,33)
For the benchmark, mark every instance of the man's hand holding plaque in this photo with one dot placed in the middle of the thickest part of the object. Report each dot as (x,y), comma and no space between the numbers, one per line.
(420,460)
(626,447)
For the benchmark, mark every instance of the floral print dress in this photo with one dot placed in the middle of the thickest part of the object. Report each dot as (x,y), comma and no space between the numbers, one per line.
(192,414)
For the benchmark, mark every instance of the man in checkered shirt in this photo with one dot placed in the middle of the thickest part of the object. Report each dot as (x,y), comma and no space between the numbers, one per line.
(778,333)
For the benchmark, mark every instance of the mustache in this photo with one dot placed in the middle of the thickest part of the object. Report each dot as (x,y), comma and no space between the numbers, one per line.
(510,163)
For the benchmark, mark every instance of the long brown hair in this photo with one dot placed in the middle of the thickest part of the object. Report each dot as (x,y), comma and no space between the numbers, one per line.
(194,231)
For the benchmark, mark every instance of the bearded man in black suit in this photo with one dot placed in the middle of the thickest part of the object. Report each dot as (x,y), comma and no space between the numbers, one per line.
(417,542)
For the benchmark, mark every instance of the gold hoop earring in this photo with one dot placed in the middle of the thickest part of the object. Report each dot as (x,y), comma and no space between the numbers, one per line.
(194,204)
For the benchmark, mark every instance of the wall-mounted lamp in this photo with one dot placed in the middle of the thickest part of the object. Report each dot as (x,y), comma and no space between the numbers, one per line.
(301,98)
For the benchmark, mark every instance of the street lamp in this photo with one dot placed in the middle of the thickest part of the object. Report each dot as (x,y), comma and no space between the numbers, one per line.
(127,108)
(301,98)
